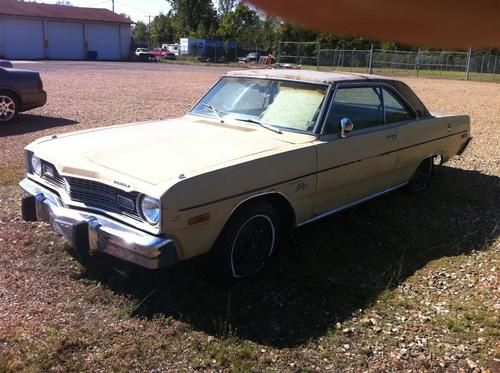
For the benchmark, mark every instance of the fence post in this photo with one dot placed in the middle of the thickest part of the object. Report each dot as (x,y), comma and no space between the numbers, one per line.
(370,61)
(417,61)
(319,55)
(495,65)
(467,67)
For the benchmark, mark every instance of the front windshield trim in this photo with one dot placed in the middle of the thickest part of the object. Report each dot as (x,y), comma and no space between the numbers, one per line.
(318,121)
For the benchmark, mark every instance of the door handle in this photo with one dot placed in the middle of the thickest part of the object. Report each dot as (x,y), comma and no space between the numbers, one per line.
(392,137)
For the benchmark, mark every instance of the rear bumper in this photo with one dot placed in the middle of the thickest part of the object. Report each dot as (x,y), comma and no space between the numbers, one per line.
(464,146)
(33,100)
(90,232)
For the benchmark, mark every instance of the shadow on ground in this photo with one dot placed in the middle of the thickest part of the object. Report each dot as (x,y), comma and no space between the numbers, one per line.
(26,123)
(326,270)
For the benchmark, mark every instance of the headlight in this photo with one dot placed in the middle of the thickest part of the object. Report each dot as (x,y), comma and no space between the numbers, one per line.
(36,165)
(150,209)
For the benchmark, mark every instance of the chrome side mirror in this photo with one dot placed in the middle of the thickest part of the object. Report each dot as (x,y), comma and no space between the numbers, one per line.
(346,126)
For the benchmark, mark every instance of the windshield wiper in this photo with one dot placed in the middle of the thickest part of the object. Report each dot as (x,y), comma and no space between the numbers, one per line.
(263,125)
(215,110)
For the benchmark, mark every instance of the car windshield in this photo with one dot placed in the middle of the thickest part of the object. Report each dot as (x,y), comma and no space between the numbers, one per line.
(281,104)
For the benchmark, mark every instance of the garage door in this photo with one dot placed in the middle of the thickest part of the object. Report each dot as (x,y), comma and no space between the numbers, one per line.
(105,40)
(22,38)
(65,40)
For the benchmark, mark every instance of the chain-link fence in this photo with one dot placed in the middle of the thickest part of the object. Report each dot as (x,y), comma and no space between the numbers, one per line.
(300,53)
(420,63)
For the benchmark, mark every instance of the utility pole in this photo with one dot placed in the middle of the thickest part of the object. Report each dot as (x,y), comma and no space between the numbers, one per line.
(113,5)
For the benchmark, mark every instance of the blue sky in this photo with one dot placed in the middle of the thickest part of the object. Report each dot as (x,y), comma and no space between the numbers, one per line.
(138,10)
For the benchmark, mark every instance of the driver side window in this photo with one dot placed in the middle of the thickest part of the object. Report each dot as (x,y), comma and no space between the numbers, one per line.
(362,105)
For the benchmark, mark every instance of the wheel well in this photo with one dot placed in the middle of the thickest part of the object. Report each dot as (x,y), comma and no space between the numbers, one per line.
(16,96)
(279,202)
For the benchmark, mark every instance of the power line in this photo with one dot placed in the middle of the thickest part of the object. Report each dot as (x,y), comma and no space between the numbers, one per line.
(99,3)
(131,7)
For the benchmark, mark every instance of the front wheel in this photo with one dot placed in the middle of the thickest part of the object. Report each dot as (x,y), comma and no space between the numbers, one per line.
(247,241)
(8,106)
(421,178)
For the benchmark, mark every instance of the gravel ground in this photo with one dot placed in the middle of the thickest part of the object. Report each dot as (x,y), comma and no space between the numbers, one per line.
(417,292)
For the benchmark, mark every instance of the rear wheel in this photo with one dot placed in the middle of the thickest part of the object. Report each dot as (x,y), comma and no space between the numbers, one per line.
(9,106)
(421,178)
(247,241)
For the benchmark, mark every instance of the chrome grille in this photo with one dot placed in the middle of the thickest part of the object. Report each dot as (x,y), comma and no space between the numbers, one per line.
(92,193)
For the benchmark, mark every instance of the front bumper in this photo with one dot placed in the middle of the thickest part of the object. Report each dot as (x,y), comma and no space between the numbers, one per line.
(92,232)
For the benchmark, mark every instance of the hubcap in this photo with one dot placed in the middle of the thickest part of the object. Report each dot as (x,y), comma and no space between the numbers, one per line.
(253,243)
(7,108)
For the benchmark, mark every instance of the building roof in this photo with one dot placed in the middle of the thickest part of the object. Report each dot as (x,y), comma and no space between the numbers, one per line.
(51,11)
(304,75)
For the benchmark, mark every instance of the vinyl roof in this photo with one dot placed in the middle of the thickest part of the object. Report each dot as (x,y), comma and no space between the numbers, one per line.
(304,75)
(51,11)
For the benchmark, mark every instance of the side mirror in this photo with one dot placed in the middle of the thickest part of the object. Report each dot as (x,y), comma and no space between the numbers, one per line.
(346,126)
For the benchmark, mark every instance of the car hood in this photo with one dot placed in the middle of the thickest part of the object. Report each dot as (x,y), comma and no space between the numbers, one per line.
(154,152)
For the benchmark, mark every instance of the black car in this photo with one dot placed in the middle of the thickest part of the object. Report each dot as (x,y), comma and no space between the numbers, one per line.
(5,63)
(20,90)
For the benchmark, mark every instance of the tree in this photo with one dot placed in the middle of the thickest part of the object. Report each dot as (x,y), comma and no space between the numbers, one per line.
(140,33)
(162,29)
(269,33)
(125,15)
(242,24)
(226,6)
(63,2)
(197,18)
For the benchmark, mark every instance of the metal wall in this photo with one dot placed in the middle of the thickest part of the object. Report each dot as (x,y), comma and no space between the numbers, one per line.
(22,38)
(105,40)
(65,40)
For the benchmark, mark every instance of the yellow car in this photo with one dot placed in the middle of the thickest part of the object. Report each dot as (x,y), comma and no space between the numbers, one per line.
(263,151)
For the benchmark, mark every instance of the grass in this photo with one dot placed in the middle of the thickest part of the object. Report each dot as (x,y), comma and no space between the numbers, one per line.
(11,173)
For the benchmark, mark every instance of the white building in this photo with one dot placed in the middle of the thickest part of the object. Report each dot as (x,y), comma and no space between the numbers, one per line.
(37,31)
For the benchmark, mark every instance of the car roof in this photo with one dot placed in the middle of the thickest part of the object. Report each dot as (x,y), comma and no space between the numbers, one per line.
(306,75)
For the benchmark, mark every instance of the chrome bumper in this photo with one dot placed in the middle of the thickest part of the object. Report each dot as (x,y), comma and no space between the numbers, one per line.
(91,232)
(464,146)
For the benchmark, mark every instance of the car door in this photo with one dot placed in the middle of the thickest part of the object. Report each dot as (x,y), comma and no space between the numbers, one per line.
(361,164)
(410,130)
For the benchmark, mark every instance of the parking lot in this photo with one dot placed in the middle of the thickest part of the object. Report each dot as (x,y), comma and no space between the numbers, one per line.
(352,292)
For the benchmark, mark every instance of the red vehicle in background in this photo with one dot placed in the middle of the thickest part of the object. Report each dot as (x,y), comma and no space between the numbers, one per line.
(163,53)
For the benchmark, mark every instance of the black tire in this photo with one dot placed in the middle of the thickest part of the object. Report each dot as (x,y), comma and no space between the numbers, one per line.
(9,106)
(250,236)
(422,176)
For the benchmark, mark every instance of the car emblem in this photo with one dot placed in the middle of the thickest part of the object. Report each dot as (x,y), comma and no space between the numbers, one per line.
(121,184)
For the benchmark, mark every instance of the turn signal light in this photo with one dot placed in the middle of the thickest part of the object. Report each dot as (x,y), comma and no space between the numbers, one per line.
(199,219)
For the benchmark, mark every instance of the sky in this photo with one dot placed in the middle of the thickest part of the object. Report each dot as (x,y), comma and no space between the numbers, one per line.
(138,10)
